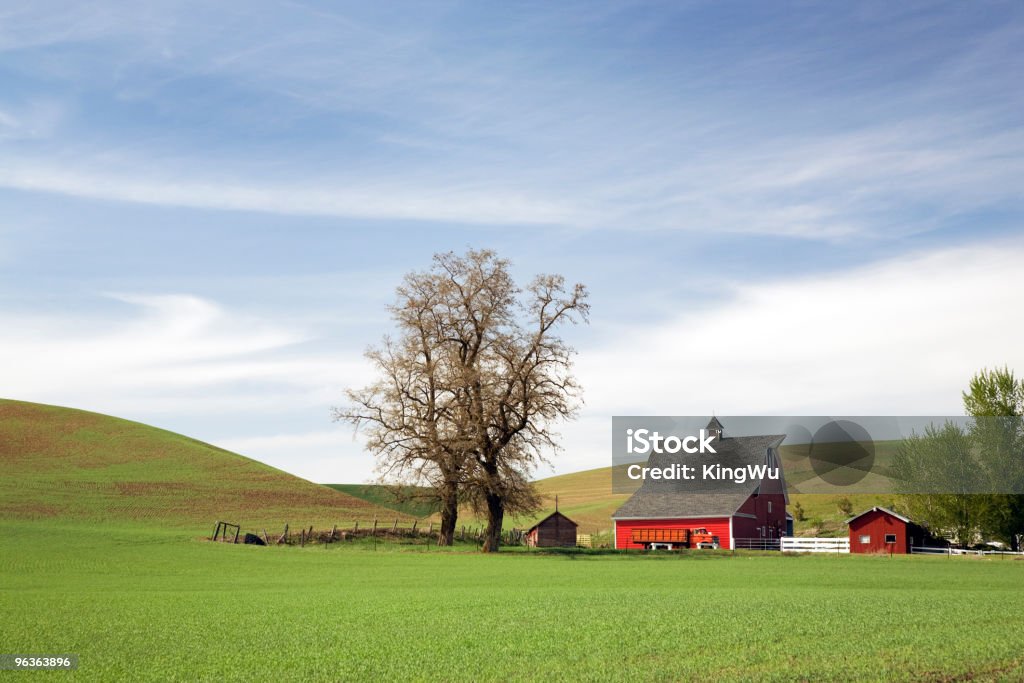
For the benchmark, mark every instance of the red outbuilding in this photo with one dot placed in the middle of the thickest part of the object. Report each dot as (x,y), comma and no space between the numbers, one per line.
(880,530)
(751,514)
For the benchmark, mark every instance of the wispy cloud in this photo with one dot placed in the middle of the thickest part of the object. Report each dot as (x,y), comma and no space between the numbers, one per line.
(117,360)
(564,118)
(339,198)
(902,336)
(879,181)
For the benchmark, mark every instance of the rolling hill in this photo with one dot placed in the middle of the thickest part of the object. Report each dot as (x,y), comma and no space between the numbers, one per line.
(65,464)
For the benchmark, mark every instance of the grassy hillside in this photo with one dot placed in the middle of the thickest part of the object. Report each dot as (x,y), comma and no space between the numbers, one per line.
(403,499)
(823,516)
(874,471)
(65,464)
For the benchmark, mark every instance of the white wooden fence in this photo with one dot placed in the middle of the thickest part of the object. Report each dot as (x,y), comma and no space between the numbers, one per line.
(959,551)
(842,545)
(792,544)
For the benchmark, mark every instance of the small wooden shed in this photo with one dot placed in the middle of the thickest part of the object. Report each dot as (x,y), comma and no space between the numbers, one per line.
(880,530)
(554,531)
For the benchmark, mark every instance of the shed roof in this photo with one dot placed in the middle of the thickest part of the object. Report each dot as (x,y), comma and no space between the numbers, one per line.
(677,498)
(879,508)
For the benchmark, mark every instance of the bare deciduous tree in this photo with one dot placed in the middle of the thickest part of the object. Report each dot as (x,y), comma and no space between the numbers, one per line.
(469,394)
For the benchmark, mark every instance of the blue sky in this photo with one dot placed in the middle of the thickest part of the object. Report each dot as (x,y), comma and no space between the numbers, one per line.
(779,207)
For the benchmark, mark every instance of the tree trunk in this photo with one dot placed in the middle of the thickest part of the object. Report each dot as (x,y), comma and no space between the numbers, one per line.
(495,518)
(449,516)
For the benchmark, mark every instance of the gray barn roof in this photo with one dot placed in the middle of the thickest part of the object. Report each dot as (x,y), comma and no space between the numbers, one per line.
(673,498)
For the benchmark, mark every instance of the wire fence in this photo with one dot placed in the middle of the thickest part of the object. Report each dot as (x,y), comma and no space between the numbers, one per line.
(395,532)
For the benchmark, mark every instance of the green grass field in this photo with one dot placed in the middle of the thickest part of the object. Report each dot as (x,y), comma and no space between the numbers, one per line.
(145,604)
(103,555)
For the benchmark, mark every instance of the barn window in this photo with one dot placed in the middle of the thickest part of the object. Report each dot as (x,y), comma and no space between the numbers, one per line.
(890,538)
(769,507)
(865,539)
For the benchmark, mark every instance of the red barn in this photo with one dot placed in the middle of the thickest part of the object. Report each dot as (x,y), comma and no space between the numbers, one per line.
(880,530)
(738,514)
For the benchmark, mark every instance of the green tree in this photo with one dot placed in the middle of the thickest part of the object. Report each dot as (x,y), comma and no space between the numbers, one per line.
(994,393)
(937,474)
(965,480)
(995,398)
